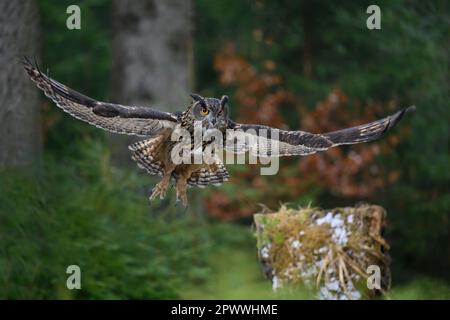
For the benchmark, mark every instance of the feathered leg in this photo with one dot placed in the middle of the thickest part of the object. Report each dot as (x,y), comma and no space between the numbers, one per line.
(181,188)
(160,188)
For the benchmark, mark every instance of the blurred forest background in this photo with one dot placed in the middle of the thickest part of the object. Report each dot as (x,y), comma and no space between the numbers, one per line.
(69,194)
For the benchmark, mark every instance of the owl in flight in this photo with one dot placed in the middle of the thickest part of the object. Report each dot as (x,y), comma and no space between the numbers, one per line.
(155,153)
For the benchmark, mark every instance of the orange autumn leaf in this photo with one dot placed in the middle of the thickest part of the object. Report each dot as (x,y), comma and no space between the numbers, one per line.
(344,171)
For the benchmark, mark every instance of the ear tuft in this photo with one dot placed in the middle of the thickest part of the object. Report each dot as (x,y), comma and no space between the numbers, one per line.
(196,97)
(224,100)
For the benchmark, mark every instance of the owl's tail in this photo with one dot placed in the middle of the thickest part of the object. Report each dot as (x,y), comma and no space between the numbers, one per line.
(215,174)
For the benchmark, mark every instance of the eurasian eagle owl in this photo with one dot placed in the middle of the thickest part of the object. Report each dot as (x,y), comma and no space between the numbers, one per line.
(155,153)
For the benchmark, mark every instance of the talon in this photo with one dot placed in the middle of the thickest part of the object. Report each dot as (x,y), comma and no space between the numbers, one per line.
(159,190)
(180,188)
(183,201)
(153,193)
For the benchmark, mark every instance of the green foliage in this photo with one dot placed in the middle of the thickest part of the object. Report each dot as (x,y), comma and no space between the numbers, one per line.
(83,211)
(87,213)
(404,63)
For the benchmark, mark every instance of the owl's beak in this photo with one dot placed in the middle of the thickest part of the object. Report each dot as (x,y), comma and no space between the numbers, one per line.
(212,121)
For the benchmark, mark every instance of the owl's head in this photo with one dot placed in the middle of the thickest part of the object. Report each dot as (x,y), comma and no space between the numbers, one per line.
(211,111)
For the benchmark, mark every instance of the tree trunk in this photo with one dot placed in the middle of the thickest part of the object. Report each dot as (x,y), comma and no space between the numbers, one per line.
(20,134)
(152,58)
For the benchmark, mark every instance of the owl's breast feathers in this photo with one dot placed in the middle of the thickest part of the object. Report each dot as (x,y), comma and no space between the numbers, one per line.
(155,156)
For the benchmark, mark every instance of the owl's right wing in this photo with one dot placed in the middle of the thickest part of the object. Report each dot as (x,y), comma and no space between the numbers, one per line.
(140,121)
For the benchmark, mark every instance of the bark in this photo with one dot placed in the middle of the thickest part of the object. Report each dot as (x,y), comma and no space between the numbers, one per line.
(20,134)
(152,57)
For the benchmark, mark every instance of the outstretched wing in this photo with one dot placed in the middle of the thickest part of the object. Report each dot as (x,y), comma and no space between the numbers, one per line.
(265,141)
(116,118)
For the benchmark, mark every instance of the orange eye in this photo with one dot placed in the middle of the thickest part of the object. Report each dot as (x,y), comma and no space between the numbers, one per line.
(204,111)
(220,113)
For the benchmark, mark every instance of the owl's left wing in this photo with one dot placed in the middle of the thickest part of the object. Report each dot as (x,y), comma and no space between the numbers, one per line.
(265,141)
(140,121)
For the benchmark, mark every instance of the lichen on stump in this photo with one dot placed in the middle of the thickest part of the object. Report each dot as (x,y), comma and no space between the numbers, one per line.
(328,251)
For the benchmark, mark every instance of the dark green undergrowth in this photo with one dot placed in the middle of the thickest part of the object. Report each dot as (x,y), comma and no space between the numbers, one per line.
(81,210)
(84,212)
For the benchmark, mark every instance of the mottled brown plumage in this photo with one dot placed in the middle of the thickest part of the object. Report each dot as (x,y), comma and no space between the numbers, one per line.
(155,153)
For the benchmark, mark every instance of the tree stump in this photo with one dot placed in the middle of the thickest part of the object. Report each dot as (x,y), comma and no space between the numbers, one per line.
(338,253)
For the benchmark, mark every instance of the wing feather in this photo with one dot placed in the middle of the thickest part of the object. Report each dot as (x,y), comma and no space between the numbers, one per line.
(140,121)
(266,141)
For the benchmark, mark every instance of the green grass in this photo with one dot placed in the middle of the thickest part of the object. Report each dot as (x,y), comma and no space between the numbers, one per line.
(419,289)
(235,271)
(236,274)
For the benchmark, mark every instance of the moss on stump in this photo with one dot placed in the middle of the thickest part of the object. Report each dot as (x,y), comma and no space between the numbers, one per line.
(328,251)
